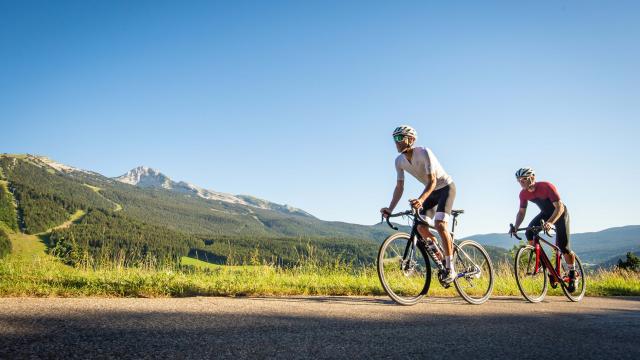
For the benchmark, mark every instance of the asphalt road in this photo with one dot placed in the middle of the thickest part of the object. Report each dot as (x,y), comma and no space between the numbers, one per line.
(318,327)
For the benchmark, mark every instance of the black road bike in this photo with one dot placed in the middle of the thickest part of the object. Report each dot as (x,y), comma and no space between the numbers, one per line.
(405,270)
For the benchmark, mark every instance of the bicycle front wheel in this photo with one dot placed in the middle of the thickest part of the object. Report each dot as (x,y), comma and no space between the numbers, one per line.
(403,269)
(532,282)
(475,272)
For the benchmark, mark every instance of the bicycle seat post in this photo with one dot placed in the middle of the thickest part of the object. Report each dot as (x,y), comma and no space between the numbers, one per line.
(455,214)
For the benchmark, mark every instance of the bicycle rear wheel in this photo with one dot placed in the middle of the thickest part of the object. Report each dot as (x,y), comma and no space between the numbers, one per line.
(581,285)
(533,284)
(403,269)
(472,260)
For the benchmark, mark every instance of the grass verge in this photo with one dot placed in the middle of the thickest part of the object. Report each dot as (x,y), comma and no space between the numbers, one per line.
(29,271)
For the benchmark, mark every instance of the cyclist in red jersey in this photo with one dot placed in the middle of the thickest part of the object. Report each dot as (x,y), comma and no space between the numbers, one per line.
(552,211)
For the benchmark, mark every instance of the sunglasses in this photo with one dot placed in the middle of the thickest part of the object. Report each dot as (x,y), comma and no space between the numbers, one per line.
(398,138)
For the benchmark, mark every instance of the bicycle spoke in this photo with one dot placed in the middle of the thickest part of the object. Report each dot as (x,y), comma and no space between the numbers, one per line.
(476,269)
(405,283)
(532,285)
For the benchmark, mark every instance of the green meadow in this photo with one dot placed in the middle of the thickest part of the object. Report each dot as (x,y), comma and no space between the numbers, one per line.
(30,271)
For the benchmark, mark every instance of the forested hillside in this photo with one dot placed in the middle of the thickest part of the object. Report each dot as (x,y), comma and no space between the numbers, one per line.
(131,226)
(285,250)
(44,197)
(104,237)
(8,214)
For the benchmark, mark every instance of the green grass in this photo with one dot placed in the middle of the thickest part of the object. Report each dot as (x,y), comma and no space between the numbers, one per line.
(94,188)
(73,219)
(199,264)
(30,271)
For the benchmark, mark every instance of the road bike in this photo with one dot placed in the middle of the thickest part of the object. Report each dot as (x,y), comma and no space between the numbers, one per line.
(534,271)
(404,267)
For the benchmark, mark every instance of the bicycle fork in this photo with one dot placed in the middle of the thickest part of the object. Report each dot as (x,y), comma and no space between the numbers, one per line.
(408,259)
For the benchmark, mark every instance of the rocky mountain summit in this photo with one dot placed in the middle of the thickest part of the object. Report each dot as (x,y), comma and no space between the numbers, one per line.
(146,177)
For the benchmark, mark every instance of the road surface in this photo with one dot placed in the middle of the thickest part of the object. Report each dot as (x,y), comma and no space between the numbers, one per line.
(318,327)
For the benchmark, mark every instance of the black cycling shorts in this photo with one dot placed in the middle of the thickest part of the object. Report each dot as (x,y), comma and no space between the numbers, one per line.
(442,199)
(562,229)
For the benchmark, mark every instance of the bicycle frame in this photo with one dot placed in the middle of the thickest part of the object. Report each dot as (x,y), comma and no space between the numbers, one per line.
(541,255)
(410,249)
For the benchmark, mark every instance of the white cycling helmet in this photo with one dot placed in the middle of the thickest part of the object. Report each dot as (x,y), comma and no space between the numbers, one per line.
(405,130)
(525,172)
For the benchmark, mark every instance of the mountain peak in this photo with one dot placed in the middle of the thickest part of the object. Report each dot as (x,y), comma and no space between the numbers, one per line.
(144,176)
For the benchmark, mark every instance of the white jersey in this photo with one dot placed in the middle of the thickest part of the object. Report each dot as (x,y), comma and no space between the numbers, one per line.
(423,163)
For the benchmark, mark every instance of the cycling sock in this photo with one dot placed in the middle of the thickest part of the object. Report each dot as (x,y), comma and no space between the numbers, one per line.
(449,262)
(571,266)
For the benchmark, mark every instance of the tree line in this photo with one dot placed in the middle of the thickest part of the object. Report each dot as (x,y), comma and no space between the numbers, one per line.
(285,251)
(7,208)
(103,237)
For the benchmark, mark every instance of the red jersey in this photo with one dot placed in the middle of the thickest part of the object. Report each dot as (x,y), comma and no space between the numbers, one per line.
(544,195)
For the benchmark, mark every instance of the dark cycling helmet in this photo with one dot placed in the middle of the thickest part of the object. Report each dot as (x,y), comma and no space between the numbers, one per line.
(525,172)
(405,130)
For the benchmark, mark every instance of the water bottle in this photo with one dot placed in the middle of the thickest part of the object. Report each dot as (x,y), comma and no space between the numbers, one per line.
(434,247)
(433,250)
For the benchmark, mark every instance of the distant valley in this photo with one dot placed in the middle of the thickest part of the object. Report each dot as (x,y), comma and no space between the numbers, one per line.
(592,247)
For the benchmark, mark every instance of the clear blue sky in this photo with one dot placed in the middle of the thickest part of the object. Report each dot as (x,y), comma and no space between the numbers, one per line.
(295,101)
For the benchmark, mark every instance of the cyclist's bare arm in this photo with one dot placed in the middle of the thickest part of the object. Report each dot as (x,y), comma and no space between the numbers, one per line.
(559,210)
(520,217)
(397,195)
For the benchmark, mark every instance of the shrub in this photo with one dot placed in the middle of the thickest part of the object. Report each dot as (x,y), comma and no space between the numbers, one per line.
(632,263)
(5,243)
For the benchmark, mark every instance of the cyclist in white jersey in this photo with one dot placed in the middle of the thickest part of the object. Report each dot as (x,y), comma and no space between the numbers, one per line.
(439,191)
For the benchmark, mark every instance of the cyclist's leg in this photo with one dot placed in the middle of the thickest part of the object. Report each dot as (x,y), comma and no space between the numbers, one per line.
(562,238)
(428,207)
(431,212)
(443,213)
(562,241)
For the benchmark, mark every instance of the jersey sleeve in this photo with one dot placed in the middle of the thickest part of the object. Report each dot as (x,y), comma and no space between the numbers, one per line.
(523,201)
(399,170)
(430,162)
(553,193)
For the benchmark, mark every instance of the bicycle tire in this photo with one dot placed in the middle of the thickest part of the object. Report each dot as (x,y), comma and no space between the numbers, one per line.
(581,284)
(390,270)
(467,262)
(528,283)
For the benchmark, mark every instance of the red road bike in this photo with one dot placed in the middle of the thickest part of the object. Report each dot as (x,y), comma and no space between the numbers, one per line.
(534,271)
